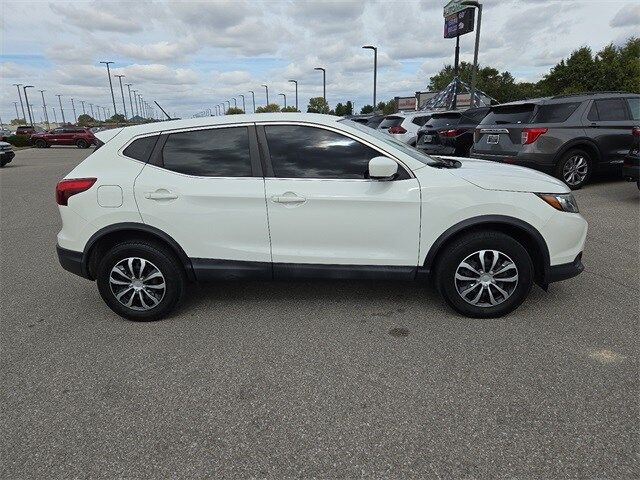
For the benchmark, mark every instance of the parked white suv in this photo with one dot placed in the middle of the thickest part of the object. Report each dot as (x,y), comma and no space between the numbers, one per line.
(404,126)
(301,195)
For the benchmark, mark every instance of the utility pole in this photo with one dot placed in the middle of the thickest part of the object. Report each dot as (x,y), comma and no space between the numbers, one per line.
(18,85)
(130,101)
(73,107)
(296,82)
(113,98)
(44,108)
(324,83)
(124,106)
(26,100)
(253,98)
(61,110)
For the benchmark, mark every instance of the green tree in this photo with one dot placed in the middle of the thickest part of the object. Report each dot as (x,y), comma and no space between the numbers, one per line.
(366,109)
(289,109)
(117,118)
(318,105)
(348,108)
(272,107)
(18,121)
(84,120)
(340,110)
(234,111)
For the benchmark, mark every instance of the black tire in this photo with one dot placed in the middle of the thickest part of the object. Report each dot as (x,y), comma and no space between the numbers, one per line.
(467,246)
(2,164)
(157,256)
(40,143)
(82,143)
(582,175)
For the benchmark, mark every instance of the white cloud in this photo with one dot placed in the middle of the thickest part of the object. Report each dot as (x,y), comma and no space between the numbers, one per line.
(95,18)
(627,16)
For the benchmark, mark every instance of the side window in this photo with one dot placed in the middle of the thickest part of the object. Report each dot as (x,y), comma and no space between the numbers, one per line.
(307,152)
(611,109)
(141,148)
(634,107)
(554,112)
(220,152)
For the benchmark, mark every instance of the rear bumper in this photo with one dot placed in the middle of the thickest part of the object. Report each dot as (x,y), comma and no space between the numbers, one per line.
(536,162)
(631,167)
(71,261)
(557,273)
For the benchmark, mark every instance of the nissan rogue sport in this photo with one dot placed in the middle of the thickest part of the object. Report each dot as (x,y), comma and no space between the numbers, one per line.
(288,195)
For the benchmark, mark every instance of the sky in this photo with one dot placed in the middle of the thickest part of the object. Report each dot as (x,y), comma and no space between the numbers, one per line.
(192,55)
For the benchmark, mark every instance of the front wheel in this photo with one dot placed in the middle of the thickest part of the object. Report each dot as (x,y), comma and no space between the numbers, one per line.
(40,143)
(140,281)
(82,144)
(484,275)
(575,168)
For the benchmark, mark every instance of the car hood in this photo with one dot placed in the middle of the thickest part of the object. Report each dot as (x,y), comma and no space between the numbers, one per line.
(5,144)
(499,176)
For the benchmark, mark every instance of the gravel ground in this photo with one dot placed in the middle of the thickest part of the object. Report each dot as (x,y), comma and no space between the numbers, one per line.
(314,379)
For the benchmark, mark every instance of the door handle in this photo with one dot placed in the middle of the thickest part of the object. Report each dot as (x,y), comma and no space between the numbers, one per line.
(288,199)
(160,195)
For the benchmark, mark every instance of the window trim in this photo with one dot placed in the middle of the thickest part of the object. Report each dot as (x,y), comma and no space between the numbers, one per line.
(266,156)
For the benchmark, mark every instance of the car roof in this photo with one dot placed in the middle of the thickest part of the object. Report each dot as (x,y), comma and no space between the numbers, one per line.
(213,121)
(567,97)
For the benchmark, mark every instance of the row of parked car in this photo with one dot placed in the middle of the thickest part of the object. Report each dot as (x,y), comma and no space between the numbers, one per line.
(568,136)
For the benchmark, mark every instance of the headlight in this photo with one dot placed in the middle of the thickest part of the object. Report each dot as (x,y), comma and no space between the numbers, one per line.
(563,202)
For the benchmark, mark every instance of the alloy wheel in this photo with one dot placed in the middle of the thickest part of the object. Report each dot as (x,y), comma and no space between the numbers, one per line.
(486,278)
(137,283)
(575,170)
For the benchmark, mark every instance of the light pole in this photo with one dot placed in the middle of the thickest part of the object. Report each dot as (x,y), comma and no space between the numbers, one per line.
(229,106)
(253,98)
(478,5)
(26,100)
(244,110)
(266,89)
(83,111)
(124,105)
(235,103)
(44,108)
(135,99)
(324,82)
(15,104)
(375,71)
(92,114)
(142,113)
(285,99)
(61,110)
(18,85)
(55,119)
(296,82)
(113,98)
(73,107)
(130,101)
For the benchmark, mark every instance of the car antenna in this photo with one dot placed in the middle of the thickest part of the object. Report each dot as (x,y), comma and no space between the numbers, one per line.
(168,117)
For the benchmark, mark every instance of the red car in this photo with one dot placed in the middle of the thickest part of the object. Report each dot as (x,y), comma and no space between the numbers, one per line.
(80,137)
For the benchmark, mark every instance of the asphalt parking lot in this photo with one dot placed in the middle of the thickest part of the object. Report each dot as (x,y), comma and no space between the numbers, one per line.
(315,379)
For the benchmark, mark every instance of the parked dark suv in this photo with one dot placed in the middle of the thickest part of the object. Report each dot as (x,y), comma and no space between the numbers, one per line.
(569,136)
(450,133)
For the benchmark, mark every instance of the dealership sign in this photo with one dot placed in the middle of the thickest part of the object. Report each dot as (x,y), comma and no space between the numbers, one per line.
(454,6)
(459,23)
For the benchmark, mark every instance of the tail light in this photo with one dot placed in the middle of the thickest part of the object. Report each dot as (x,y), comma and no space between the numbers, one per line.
(397,129)
(635,131)
(530,135)
(68,188)
(454,132)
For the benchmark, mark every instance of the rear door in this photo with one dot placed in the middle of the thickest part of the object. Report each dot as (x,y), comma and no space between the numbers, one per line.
(609,123)
(56,136)
(500,132)
(326,215)
(204,187)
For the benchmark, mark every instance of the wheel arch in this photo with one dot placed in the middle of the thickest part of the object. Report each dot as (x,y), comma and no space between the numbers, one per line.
(528,236)
(108,236)
(584,143)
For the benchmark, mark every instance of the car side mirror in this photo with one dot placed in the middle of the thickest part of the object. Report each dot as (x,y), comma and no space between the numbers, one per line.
(382,168)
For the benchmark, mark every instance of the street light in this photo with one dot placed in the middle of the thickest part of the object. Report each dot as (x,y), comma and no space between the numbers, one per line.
(324,82)
(296,82)
(113,98)
(44,108)
(55,119)
(61,110)
(235,104)
(73,108)
(15,104)
(478,5)
(244,110)
(26,100)
(375,71)
(128,85)
(92,114)
(285,99)
(135,98)
(18,85)
(83,111)
(253,97)
(267,91)
(124,105)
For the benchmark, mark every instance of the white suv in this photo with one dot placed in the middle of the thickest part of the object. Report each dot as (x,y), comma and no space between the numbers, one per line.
(293,195)
(404,126)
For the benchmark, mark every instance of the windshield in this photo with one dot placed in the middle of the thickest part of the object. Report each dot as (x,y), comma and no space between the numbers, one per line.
(509,114)
(397,144)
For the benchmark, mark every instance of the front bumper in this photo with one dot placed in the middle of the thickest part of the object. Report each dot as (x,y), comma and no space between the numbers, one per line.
(557,273)
(70,260)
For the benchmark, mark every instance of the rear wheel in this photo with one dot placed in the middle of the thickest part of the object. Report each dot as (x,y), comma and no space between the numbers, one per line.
(82,144)
(484,275)
(575,168)
(140,280)
(39,143)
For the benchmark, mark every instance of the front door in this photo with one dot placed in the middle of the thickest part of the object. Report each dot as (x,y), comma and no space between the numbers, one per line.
(326,216)
(204,188)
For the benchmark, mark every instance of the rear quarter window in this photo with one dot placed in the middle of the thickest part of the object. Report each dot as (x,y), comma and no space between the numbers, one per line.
(141,148)
(509,114)
(554,112)
(634,107)
(389,122)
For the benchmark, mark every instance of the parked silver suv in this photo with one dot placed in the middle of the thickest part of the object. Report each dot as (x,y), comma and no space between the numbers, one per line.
(569,136)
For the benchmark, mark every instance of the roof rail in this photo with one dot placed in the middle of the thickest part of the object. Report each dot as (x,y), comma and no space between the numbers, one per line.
(587,93)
